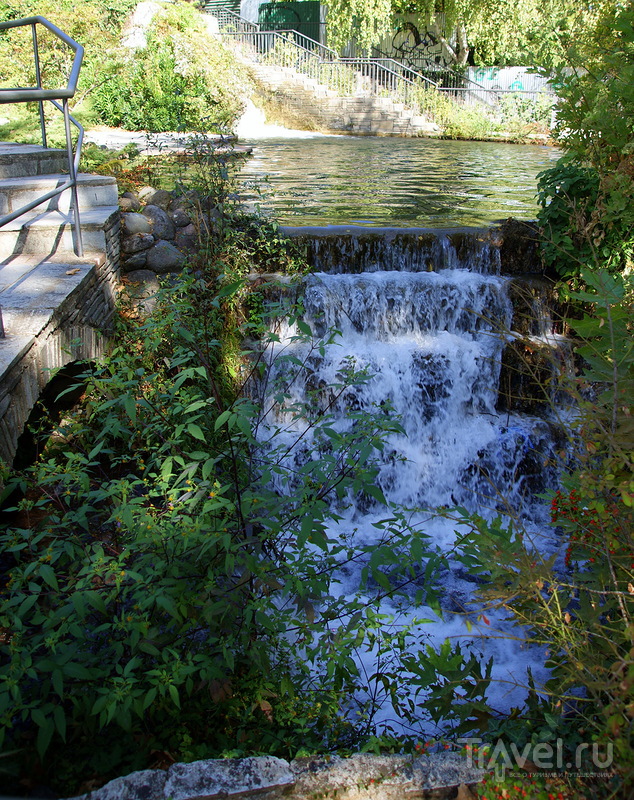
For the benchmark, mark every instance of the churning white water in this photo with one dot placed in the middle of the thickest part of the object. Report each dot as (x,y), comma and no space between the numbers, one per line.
(431,343)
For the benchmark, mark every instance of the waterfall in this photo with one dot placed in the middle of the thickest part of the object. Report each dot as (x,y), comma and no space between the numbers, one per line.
(426,318)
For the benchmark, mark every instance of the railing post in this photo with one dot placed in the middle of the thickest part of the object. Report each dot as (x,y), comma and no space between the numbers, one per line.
(38,79)
(79,246)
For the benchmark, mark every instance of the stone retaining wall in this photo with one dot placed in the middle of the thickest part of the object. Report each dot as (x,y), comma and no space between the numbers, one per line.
(46,337)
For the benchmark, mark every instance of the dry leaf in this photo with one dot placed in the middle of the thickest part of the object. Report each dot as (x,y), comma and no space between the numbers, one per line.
(73,271)
(267,708)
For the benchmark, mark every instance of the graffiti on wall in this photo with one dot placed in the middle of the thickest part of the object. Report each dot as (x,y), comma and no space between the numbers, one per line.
(414,48)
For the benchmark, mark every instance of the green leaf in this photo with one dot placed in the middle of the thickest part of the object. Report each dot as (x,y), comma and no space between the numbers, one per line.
(96,601)
(167,604)
(44,736)
(27,604)
(60,721)
(58,682)
(174,695)
(48,574)
(304,328)
(230,289)
(74,670)
(222,418)
(129,403)
(196,431)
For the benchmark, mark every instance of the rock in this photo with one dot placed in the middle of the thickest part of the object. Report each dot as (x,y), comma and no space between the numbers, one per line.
(135,223)
(144,276)
(361,777)
(228,778)
(162,225)
(180,217)
(143,286)
(190,199)
(125,204)
(164,257)
(145,192)
(137,242)
(369,777)
(134,261)
(187,238)
(160,198)
(519,247)
(134,200)
(144,785)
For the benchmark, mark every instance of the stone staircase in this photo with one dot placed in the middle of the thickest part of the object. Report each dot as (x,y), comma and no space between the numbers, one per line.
(29,171)
(55,306)
(323,109)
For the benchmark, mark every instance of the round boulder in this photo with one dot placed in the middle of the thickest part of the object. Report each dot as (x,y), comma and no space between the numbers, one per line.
(162,225)
(137,242)
(164,257)
(135,223)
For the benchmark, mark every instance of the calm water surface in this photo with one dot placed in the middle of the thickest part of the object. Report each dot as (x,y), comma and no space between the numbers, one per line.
(346,180)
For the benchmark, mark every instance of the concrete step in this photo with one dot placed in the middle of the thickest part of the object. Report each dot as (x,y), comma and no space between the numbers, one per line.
(51,232)
(23,160)
(92,190)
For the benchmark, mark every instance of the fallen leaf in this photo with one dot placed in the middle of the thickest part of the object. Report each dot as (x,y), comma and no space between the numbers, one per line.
(73,271)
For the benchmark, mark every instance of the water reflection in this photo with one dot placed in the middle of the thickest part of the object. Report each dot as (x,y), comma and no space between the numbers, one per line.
(392,181)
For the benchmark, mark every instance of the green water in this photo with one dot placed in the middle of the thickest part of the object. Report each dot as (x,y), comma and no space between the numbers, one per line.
(346,180)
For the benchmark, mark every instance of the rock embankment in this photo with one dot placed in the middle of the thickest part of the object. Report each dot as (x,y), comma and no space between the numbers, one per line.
(160,229)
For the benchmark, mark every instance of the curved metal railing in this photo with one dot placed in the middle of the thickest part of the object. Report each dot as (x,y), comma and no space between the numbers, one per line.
(40,95)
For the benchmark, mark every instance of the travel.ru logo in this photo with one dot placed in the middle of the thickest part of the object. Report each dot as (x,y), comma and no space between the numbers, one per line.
(544,758)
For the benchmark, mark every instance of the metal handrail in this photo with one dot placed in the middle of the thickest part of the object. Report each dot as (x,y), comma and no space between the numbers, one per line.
(309,57)
(389,66)
(227,18)
(40,95)
(385,73)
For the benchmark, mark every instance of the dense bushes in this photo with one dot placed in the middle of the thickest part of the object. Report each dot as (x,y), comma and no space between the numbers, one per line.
(160,591)
(183,79)
(588,215)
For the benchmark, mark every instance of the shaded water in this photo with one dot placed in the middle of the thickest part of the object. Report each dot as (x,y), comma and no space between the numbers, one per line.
(349,180)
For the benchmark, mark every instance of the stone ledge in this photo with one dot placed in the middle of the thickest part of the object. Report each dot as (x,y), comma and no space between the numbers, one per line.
(361,777)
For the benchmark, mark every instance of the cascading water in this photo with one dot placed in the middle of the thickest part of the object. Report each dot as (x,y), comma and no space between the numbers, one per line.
(430,342)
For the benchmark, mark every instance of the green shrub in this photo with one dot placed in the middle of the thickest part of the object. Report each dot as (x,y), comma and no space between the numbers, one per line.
(184,79)
(580,604)
(159,589)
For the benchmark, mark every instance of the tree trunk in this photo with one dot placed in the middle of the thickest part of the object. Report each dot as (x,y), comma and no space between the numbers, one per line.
(462,44)
(460,53)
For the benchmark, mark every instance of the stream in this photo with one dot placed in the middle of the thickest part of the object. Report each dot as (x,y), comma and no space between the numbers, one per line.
(370,181)
(428,314)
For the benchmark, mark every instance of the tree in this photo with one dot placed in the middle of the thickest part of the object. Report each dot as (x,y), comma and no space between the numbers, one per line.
(535,32)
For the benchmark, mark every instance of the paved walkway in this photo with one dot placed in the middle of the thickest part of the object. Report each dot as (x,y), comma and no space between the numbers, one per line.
(157,143)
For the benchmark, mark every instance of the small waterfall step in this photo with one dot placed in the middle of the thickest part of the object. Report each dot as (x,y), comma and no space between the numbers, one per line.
(510,248)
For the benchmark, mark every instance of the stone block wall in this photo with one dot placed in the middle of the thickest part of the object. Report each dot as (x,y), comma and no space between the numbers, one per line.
(49,338)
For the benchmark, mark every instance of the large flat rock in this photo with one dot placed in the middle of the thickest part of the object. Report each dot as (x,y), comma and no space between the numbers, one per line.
(361,777)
